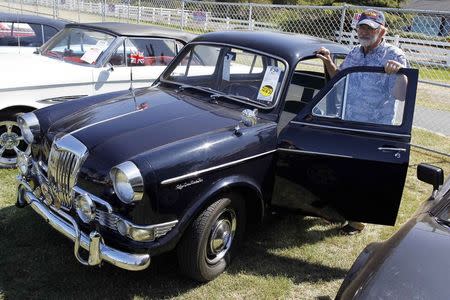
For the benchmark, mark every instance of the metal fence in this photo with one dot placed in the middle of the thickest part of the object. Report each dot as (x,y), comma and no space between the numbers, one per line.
(424,36)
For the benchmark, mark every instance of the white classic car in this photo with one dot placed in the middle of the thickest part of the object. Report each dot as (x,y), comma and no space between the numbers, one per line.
(21,33)
(81,60)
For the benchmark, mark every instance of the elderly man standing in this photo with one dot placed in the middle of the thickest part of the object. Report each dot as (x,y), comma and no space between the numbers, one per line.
(372,51)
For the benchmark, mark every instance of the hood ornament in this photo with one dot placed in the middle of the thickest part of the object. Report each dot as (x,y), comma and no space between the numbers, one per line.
(249,118)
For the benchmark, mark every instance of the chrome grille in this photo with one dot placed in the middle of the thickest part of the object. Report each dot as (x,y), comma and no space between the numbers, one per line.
(163,229)
(66,157)
(106,219)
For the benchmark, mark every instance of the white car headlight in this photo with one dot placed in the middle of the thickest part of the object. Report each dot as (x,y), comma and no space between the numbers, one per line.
(127,181)
(29,125)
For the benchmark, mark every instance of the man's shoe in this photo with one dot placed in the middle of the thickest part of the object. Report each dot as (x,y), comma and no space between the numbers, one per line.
(349,230)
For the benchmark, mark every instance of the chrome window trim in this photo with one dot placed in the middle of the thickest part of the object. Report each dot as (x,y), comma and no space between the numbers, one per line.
(352,129)
(313,152)
(282,85)
(200,172)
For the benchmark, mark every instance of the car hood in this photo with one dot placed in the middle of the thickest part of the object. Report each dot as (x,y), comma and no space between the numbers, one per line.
(119,128)
(413,264)
(31,70)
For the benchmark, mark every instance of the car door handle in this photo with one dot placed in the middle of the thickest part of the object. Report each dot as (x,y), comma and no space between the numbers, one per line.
(391,149)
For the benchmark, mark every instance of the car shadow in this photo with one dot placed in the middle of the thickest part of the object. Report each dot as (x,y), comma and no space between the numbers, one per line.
(37,262)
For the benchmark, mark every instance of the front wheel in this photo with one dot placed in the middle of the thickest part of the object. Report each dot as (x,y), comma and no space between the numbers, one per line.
(210,242)
(11,142)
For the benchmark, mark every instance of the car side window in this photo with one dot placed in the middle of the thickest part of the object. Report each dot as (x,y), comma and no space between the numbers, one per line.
(150,52)
(20,34)
(368,97)
(48,32)
(118,57)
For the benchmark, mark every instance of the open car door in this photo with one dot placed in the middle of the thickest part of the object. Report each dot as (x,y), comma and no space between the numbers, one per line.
(349,146)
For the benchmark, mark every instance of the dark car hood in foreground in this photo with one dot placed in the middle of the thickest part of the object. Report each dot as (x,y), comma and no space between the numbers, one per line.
(413,264)
(417,268)
(119,128)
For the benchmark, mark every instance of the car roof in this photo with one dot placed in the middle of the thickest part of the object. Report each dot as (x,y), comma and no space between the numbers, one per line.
(136,30)
(16,17)
(290,47)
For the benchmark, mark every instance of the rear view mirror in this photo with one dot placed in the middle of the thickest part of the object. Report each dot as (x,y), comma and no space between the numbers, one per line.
(430,174)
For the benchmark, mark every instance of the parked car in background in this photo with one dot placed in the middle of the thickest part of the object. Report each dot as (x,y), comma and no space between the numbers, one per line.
(21,33)
(413,263)
(81,60)
(236,126)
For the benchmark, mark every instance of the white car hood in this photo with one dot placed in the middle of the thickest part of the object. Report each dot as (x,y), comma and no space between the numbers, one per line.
(16,50)
(33,70)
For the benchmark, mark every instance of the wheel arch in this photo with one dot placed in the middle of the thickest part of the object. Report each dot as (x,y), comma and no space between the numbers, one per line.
(12,110)
(243,185)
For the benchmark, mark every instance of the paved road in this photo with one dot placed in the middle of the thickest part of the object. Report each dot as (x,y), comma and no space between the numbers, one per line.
(433,120)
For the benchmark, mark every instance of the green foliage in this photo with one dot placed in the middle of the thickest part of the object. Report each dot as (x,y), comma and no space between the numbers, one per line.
(321,25)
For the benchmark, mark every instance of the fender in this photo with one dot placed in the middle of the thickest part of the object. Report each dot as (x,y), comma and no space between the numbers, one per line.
(226,184)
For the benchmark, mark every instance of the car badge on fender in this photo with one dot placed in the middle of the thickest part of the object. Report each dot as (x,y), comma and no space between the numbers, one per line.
(188,183)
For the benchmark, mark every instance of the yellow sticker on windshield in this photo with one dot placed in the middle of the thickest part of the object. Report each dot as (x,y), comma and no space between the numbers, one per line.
(266,90)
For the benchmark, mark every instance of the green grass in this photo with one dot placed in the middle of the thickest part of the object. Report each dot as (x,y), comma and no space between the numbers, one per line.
(434,74)
(289,256)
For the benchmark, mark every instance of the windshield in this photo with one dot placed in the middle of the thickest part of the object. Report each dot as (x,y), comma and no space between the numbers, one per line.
(225,71)
(78,45)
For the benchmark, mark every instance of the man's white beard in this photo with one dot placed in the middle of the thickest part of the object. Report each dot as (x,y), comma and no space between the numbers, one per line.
(366,42)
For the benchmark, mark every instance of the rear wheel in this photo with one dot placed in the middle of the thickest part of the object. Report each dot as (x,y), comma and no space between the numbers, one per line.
(210,242)
(11,141)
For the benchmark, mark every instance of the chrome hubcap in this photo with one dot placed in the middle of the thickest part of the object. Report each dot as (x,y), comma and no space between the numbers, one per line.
(11,143)
(9,140)
(221,236)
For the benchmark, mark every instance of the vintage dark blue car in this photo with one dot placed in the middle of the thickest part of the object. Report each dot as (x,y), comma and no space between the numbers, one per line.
(239,124)
(413,263)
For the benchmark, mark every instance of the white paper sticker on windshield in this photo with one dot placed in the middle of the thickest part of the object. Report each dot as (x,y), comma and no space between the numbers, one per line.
(226,66)
(91,55)
(269,84)
(101,44)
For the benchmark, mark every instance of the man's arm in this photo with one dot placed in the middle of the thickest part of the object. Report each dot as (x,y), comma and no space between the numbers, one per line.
(324,54)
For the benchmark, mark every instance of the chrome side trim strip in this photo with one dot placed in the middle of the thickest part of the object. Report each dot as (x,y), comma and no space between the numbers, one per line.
(313,152)
(103,121)
(197,173)
(351,129)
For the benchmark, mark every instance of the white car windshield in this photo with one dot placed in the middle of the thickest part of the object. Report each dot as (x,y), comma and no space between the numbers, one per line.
(78,45)
(229,72)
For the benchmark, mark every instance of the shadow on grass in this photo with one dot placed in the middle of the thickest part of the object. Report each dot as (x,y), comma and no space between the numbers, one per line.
(282,232)
(37,262)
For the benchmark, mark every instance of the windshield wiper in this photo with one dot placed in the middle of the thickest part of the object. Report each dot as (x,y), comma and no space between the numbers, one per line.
(235,97)
(196,87)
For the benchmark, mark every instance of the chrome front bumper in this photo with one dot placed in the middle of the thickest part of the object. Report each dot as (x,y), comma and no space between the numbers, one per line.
(93,243)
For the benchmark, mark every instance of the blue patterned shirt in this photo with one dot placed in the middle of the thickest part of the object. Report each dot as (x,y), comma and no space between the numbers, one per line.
(374,88)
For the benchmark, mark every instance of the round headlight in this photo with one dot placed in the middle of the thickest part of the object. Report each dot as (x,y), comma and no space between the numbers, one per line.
(23,163)
(127,181)
(85,208)
(29,125)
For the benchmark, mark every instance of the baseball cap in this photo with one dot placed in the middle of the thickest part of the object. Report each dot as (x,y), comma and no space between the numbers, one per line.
(372,18)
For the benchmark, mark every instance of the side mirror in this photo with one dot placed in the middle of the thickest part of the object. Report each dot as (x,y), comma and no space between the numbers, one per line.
(430,174)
